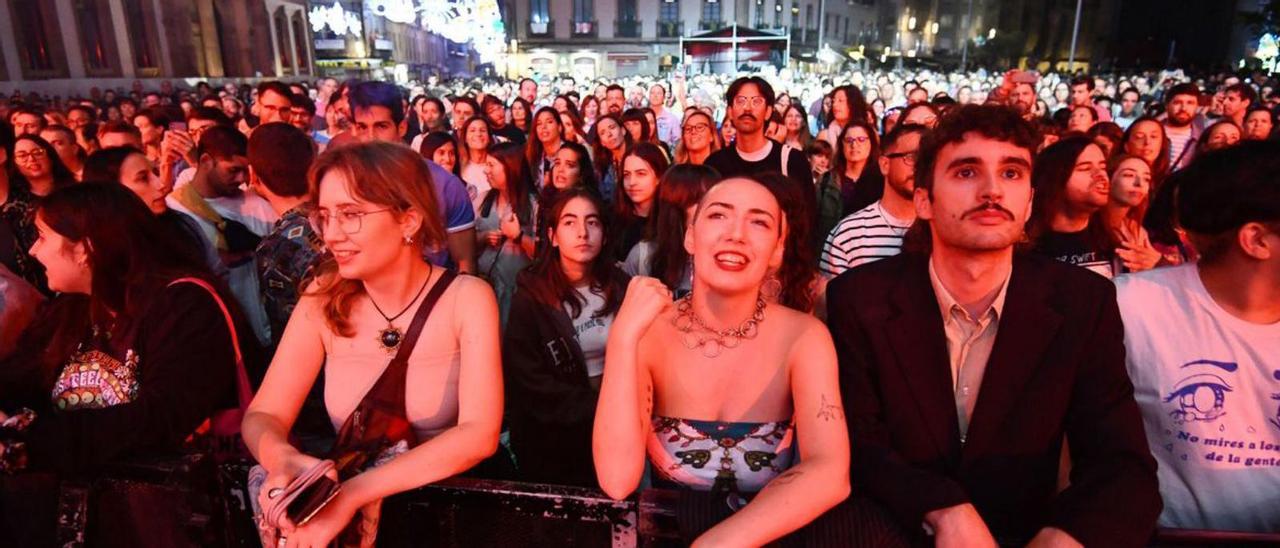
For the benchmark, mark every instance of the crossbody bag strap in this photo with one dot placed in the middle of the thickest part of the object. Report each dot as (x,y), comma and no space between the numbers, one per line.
(380,416)
(244,392)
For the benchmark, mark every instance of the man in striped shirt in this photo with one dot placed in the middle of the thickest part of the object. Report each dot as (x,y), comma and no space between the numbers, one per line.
(876,231)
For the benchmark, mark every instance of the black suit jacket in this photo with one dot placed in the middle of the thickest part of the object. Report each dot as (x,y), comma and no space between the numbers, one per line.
(1057,368)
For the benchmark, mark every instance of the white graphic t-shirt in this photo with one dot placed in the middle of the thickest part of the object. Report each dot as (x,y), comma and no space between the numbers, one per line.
(1208,384)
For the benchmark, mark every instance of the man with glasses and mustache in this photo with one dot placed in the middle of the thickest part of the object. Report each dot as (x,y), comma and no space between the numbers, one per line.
(876,231)
(967,367)
(750,104)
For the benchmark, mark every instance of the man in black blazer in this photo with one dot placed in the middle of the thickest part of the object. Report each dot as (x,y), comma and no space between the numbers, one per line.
(965,365)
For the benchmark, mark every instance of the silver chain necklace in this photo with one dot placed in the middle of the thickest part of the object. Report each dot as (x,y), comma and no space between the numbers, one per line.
(695,334)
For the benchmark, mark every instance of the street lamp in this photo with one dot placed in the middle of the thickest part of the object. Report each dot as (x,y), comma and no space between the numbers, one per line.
(991,34)
(911,23)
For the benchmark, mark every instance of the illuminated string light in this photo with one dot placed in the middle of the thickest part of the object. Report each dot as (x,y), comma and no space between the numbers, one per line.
(338,20)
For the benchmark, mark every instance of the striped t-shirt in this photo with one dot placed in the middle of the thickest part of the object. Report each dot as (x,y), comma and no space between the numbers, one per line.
(866,235)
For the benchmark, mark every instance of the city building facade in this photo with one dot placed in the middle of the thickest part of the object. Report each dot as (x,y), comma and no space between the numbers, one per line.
(610,38)
(52,44)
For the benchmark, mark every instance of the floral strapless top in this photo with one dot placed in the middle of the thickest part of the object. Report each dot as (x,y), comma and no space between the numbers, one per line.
(92,379)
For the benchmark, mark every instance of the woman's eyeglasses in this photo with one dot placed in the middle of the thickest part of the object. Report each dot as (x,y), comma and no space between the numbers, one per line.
(349,220)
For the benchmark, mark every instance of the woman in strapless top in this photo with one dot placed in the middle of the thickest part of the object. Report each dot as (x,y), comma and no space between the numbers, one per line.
(722,390)
(376,217)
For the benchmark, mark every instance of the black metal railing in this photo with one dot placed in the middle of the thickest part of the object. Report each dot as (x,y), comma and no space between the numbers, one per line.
(626,28)
(670,29)
(711,25)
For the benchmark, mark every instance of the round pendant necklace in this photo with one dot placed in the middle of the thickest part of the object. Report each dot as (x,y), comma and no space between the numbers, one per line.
(391,337)
(698,335)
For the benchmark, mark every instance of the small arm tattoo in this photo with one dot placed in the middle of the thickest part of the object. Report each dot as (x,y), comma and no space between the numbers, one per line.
(828,411)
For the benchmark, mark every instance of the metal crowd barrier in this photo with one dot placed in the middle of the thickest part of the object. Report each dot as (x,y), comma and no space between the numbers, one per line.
(167,502)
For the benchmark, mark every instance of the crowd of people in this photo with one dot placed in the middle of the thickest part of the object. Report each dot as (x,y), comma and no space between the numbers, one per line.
(883,308)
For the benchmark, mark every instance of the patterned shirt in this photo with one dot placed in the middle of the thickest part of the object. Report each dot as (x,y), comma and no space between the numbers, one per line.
(286,257)
(19,213)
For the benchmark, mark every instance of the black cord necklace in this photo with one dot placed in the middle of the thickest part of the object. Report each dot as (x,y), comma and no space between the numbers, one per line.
(391,336)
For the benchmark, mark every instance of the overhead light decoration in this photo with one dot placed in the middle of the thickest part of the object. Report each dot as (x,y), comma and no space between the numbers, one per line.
(336,19)
(400,11)
(478,22)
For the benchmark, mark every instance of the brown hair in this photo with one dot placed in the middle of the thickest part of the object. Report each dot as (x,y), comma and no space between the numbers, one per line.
(387,174)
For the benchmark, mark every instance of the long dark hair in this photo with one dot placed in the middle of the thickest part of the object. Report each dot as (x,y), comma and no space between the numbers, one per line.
(131,257)
(62,175)
(544,279)
(602,156)
(637,115)
(857,104)
(534,150)
(799,267)
(436,139)
(585,171)
(657,159)
(839,162)
(549,192)
(1054,166)
(528,115)
(1160,169)
(103,166)
(519,181)
(682,186)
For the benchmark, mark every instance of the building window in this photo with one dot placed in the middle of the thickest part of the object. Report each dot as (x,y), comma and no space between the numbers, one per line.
(583,18)
(282,41)
(30,21)
(711,11)
(627,10)
(583,11)
(669,25)
(300,42)
(538,12)
(669,11)
(628,25)
(93,45)
(140,31)
(808,16)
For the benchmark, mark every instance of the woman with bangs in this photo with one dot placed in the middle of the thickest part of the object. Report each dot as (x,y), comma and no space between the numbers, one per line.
(698,138)
(382,323)
(636,199)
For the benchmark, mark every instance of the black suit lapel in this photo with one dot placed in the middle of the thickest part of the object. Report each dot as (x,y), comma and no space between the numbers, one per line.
(919,345)
(1027,327)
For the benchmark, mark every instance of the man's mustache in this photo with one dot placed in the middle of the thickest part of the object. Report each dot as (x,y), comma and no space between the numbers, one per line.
(989,206)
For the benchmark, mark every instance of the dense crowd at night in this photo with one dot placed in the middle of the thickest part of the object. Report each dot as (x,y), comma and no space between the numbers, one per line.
(883,308)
